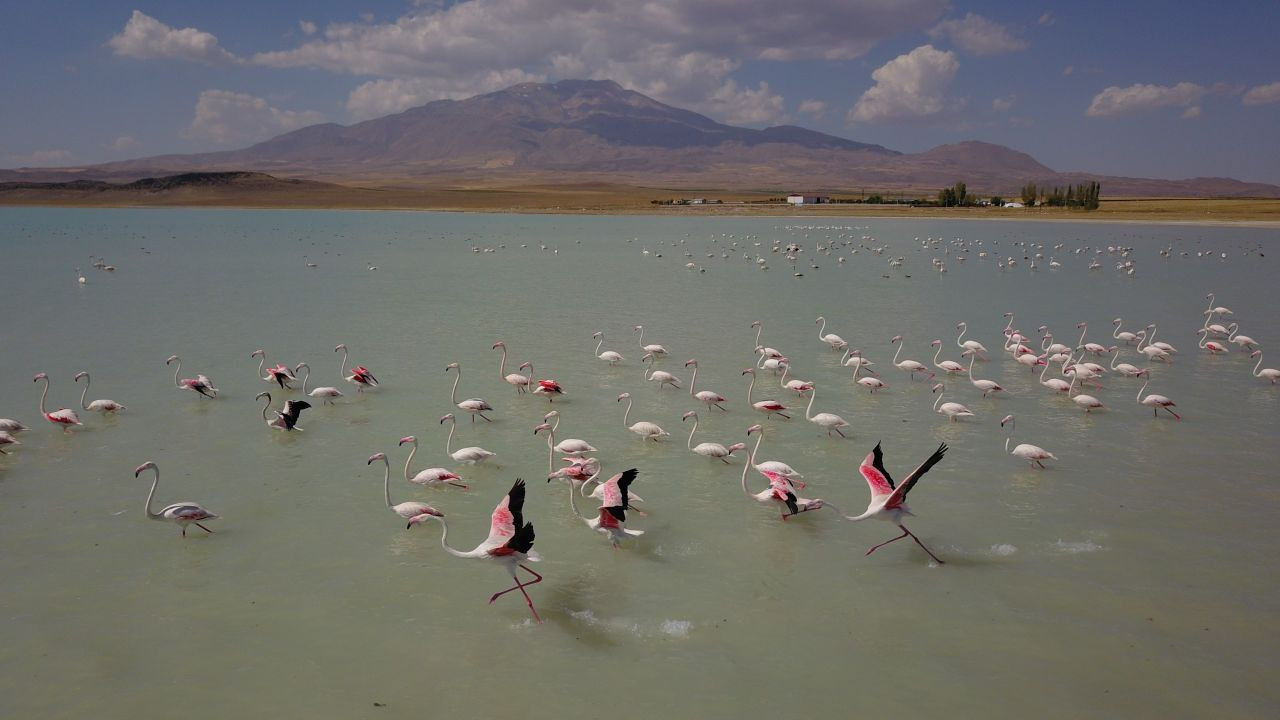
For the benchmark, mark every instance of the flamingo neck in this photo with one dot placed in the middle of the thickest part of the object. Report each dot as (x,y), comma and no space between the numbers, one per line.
(599,344)
(936,354)
(751,462)
(691,432)
(386,479)
(1042,372)
(262,361)
(84,392)
(821,329)
(641,337)
(1010,325)
(342,371)
(502,366)
(785,369)
(448,443)
(453,394)
(1009,437)
(551,439)
(895,355)
(444,540)
(626,414)
(1116,333)
(971,358)
(813,393)
(42,396)
(266,405)
(1256,372)
(407,461)
(1144,387)
(759,330)
(939,400)
(175,373)
(147,507)
(963,329)
(305,378)
(573,504)
(751,387)
(694,381)
(1235,328)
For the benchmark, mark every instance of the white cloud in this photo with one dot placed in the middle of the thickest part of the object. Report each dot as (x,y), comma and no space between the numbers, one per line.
(1068,70)
(1004,104)
(1118,100)
(744,105)
(42,158)
(909,86)
(977,35)
(307,27)
(1262,95)
(384,97)
(1191,112)
(1046,19)
(146,38)
(226,118)
(124,142)
(813,108)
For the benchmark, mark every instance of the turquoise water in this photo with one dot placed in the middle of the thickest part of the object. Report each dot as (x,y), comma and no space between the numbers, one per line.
(1134,577)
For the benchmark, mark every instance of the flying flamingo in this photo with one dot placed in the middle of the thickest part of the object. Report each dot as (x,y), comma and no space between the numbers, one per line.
(970,347)
(102,406)
(413,512)
(950,367)
(835,341)
(286,419)
(800,387)
(774,466)
(781,489)
(183,513)
(1271,374)
(65,417)
(661,377)
(610,356)
(360,375)
(706,397)
(572,447)
(889,502)
(327,394)
(1155,402)
(950,409)
(468,455)
(710,449)
(1244,341)
(520,382)
(279,374)
(510,542)
(430,476)
(199,384)
(830,421)
(768,407)
(909,366)
(654,350)
(854,359)
(986,386)
(646,430)
(870,383)
(1033,454)
(1088,402)
(1207,344)
(474,406)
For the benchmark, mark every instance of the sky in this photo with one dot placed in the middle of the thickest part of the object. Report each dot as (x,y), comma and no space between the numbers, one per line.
(1138,88)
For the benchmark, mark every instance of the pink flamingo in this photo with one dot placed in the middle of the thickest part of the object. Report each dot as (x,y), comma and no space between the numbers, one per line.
(199,384)
(800,387)
(65,417)
(889,502)
(1155,402)
(550,388)
(1207,344)
(515,379)
(103,406)
(510,543)
(986,386)
(706,397)
(768,407)
(279,374)
(870,383)
(360,375)
(413,512)
(1271,374)
(183,513)
(910,366)
(430,476)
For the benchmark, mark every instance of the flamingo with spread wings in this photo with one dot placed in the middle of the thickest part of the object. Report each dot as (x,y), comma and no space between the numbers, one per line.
(889,501)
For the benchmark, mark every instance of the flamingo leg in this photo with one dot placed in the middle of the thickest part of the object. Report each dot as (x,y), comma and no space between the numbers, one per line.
(485,418)
(886,542)
(720,406)
(184,531)
(204,528)
(840,433)
(521,586)
(922,547)
(1176,415)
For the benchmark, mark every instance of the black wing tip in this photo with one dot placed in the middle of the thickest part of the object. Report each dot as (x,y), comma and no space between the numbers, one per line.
(618,512)
(628,476)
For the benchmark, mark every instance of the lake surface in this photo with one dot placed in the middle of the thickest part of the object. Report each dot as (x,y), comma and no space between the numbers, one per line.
(1136,577)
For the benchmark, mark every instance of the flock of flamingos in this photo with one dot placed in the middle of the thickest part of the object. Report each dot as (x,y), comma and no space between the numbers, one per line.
(1066,370)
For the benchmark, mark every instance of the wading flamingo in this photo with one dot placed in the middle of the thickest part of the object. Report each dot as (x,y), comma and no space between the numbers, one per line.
(515,379)
(710,449)
(65,417)
(986,386)
(1155,402)
(1244,341)
(413,512)
(853,359)
(609,356)
(870,383)
(835,341)
(467,455)
(1125,337)
(950,367)
(781,489)
(1088,402)
(761,349)
(279,374)
(474,406)
(646,430)
(889,502)
(430,476)
(199,384)
(774,466)
(1207,344)
(909,366)
(768,407)
(654,350)
(1124,369)
(1056,384)
(573,447)
(1271,374)
(662,377)
(830,421)
(286,419)
(360,375)
(970,347)
(706,397)
(102,406)
(327,394)
(950,409)
(1219,311)
(1033,454)
(183,513)
(800,387)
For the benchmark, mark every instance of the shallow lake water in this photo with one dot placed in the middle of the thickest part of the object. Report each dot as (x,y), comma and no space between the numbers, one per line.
(1135,577)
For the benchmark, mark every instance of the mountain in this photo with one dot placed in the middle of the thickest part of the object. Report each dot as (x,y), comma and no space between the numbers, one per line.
(598,131)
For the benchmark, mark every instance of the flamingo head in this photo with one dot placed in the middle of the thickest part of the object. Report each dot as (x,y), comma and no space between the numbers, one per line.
(749,371)
(1043,329)
(497,345)
(148,465)
(624,396)
(171,358)
(596,334)
(755,323)
(637,328)
(1008,314)
(894,339)
(409,439)
(1007,419)
(960,325)
(81,374)
(1113,348)
(1080,325)
(39,377)
(448,417)
(647,356)
(755,429)
(690,414)
(261,395)
(257,353)
(552,414)
(935,343)
(340,346)
(301,365)
(427,513)
(691,362)
(375,457)
(855,353)
(938,387)
(451,366)
(539,428)
(759,349)
(525,364)
(820,319)
(736,447)
(1117,321)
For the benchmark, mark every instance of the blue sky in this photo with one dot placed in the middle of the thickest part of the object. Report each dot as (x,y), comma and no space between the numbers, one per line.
(1136,88)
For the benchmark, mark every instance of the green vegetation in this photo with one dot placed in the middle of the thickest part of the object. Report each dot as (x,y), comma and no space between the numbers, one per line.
(1083,195)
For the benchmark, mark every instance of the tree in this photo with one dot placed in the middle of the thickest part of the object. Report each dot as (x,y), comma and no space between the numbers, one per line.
(961,194)
(997,201)
(1029,194)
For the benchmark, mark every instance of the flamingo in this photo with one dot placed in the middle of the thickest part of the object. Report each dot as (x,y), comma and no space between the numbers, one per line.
(584,471)
(1155,402)
(1244,341)
(1088,402)
(11,426)
(1056,384)
(286,419)
(573,447)
(768,407)
(710,449)
(986,386)
(515,379)
(182,513)
(1125,368)
(1169,349)
(1031,360)
(761,349)
(327,394)
(870,383)
(854,359)
(889,502)
(474,406)
(65,417)
(830,421)
(1219,311)
(413,512)
(772,364)
(781,489)
(467,455)
(835,341)
(279,374)
(706,397)
(909,366)
(430,476)
(950,367)
(1271,374)
(1217,329)
(646,430)
(7,439)
(1033,454)
(654,350)
(970,347)
(775,466)
(1125,337)
(102,406)
(950,409)
(360,375)
(609,356)
(1207,344)
(616,499)
(550,388)
(1152,352)
(510,542)
(661,377)
(199,384)
(1052,348)
(800,387)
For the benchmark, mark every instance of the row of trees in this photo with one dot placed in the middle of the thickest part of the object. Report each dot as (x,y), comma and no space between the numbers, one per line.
(1082,195)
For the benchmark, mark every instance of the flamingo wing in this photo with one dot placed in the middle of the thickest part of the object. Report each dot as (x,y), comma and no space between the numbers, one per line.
(292,410)
(508,532)
(899,495)
(615,490)
(550,386)
(783,490)
(875,473)
(611,518)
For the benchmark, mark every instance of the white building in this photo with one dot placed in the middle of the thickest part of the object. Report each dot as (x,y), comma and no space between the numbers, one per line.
(807,199)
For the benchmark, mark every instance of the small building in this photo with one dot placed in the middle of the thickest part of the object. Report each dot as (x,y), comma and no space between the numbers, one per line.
(1013,205)
(807,199)
(698,201)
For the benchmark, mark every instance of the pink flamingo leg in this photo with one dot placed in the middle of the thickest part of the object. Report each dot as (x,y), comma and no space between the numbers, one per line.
(886,542)
(922,547)
(521,586)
